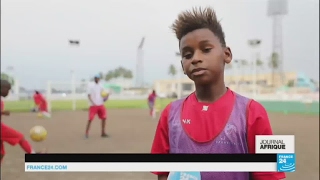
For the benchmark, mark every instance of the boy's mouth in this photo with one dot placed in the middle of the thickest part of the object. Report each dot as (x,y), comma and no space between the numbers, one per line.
(198,71)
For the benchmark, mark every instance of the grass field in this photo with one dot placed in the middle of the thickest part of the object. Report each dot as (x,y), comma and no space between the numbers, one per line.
(27,105)
(286,107)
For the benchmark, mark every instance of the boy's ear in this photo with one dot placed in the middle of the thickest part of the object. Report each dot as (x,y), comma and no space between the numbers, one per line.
(227,55)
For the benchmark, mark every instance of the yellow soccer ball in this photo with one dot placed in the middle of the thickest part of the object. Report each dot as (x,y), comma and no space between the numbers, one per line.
(104,94)
(38,133)
(40,115)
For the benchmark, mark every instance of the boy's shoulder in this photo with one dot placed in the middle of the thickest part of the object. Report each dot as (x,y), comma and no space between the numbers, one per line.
(174,105)
(178,101)
(252,104)
(239,95)
(242,98)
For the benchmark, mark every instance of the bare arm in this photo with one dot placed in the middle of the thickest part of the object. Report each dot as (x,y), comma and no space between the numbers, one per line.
(89,97)
(89,90)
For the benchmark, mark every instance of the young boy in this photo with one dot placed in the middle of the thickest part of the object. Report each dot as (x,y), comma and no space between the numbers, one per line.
(213,119)
(41,103)
(96,106)
(8,134)
(151,102)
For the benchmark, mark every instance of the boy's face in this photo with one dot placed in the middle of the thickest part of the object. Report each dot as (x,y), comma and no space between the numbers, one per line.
(96,79)
(5,90)
(203,56)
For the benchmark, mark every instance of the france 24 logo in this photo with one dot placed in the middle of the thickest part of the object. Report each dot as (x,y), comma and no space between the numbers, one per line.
(286,162)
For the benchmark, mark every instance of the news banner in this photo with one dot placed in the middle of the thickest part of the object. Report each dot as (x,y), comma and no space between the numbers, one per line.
(274,153)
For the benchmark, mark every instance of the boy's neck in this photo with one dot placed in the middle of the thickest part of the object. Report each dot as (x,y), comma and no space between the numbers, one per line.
(210,93)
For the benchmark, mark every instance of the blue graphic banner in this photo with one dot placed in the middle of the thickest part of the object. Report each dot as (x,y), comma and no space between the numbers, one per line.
(184,176)
(286,162)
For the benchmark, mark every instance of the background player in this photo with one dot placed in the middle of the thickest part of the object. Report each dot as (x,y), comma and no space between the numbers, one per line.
(97,107)
(41,103)
(36,100)
(151,103)
(213,119)
(8,134)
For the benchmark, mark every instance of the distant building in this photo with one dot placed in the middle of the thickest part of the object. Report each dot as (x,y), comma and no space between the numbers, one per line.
(123,82)
(169,87)
(241,83)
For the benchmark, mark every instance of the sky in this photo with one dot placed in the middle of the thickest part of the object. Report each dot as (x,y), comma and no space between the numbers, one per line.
(35,34)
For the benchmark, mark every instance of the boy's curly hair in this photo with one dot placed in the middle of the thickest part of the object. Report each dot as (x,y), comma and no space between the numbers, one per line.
(198,18)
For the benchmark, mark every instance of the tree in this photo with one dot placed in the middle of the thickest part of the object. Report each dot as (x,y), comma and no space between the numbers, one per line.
(274,65)
(259,63)
(290,83)
(109,75)
(7,77)
(128,74)
(118,72)
(243,62)
(172,70)
(101,74)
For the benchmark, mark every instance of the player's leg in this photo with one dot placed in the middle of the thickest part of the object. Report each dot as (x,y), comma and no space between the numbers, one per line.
(92,112)
(102,113)
(152,109)
(150,105)
(13,137)
(36,107)
(44,110)
(154,113)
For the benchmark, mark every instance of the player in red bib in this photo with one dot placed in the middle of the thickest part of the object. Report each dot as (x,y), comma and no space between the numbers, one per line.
(151,102)
(41,103)
(213,119)
(36,100)
(8,134)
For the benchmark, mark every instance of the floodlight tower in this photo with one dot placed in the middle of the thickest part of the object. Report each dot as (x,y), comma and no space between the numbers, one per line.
(277,9)
(139,65)
(73,43)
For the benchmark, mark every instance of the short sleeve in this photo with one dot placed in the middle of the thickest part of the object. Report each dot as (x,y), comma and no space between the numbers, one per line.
(259,124)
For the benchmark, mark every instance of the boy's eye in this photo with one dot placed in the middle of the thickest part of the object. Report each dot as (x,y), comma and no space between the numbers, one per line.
(206,50)
(187,56)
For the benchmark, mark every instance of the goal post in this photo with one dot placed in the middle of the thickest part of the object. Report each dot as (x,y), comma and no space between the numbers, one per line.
(66,95)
